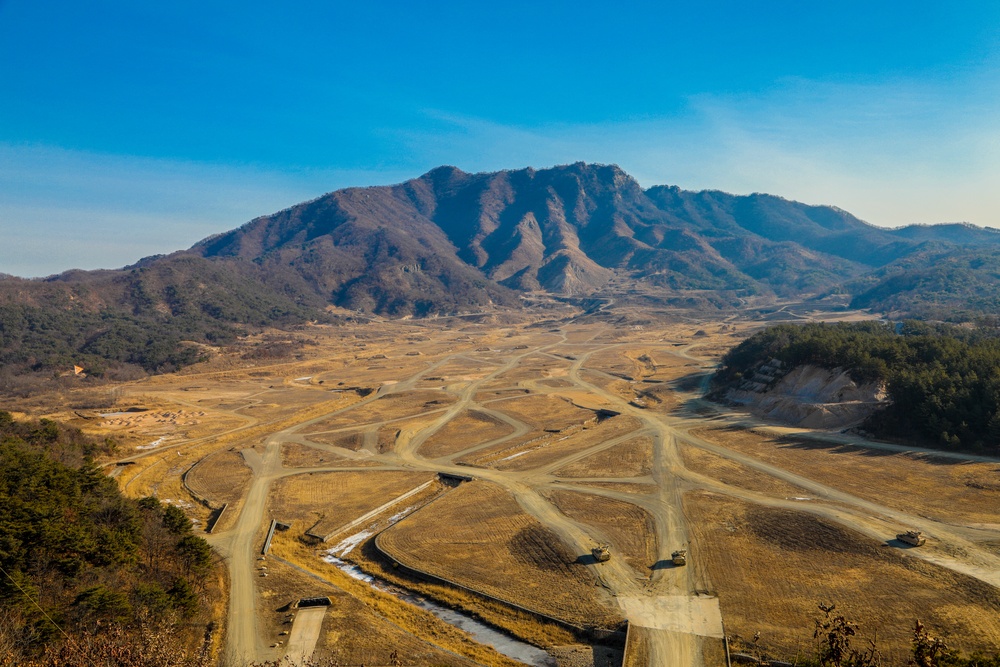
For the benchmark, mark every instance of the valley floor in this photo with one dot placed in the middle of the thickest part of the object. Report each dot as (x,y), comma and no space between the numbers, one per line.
(478,462)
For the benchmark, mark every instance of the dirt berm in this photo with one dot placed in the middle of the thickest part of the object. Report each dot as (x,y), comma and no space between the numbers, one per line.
(813,397)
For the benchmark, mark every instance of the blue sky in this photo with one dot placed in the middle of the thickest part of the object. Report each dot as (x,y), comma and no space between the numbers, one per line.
(128,129)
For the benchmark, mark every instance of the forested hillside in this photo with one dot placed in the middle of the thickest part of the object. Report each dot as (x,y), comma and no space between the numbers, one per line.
(943,381)
(78,557)
(147,318)
(954,285)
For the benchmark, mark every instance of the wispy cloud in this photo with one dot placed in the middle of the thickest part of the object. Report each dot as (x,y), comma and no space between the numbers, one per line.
(893,153)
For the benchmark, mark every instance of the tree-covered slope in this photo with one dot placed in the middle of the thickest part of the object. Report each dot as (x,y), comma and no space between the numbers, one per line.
(943,382)
(75,553)
(949,284)
(143,316)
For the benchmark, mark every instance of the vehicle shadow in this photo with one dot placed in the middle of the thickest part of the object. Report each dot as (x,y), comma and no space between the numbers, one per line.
(899,544)
(665,564)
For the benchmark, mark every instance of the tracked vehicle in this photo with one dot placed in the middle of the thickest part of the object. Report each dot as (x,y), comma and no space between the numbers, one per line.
(679,557)
(911,537)
(601,553)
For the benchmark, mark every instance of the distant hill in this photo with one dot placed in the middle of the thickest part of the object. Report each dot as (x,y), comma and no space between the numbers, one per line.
(943,283)
(450,242)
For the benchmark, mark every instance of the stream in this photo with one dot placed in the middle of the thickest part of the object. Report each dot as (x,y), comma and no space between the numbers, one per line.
(482,633)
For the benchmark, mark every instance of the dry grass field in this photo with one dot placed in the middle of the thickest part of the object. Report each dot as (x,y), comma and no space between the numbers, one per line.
(299,456)
(556,447)
(617,362)
(942,488)
(628,528)
(390,406)
(611,384)
(632,458)
(464,431)
(220,477)
(478,536)
(332,499)
(533,367)
(544,412)
(362,625)
(736,474)
(772,567)
(622,487)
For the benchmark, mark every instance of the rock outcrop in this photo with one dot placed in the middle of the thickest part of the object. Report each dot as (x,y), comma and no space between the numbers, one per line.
(808,396)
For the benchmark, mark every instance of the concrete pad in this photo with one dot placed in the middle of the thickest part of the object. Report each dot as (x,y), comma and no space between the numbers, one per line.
(676,613)
(304,635)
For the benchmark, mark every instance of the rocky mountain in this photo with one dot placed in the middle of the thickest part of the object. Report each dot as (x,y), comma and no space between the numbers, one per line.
(451,242)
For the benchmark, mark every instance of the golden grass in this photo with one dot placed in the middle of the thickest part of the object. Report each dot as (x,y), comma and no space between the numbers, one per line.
(620,388)
(771,568)
(390,406)
(521,624)
(544,412)
(632,458)
(628,528)
(464,431)
(332,499)
(943,489)
(637,650)
(365,625)
(221,477)
(294,455)
(533,367)
(478,536)
(735,474)
(556,447)
(617,362)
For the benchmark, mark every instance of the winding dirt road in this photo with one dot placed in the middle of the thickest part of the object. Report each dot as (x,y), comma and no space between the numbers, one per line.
(666,600)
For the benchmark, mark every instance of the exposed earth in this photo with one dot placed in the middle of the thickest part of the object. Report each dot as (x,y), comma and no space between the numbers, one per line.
(478,460)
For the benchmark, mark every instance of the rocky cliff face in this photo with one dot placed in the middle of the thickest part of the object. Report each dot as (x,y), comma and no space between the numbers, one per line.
(808,396)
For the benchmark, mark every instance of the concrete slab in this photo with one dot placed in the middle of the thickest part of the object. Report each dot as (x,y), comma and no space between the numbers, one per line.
(676,613)
(304,635)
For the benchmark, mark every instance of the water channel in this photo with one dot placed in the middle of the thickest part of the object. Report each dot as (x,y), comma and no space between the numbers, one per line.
(482,633)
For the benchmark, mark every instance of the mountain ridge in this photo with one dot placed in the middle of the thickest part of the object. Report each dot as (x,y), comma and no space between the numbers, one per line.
(451,242)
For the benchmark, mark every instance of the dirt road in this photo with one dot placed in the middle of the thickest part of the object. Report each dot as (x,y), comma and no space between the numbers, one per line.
(669,601)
